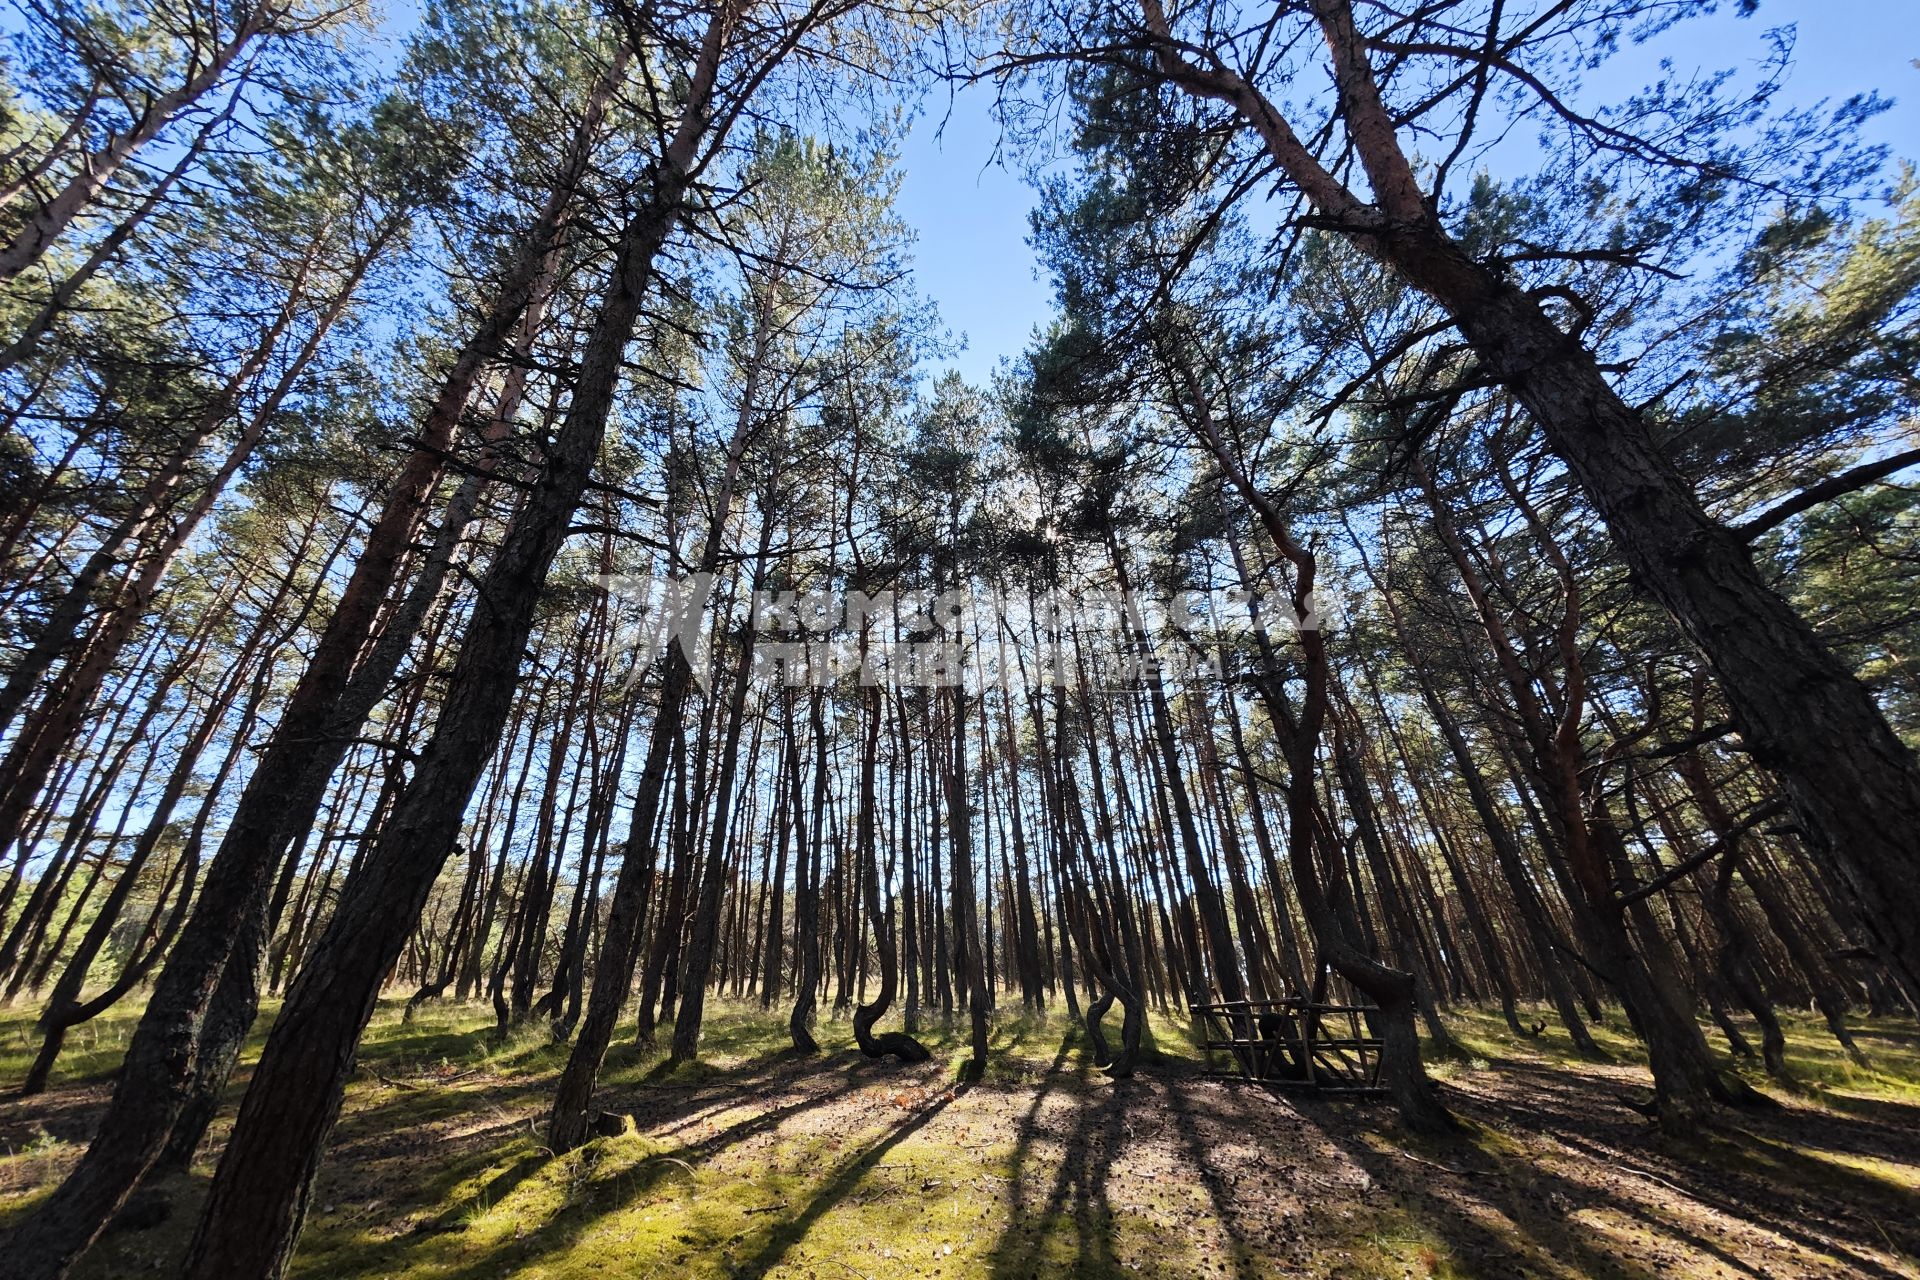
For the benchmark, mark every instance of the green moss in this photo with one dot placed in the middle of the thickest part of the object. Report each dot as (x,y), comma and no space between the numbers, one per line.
(757,1163)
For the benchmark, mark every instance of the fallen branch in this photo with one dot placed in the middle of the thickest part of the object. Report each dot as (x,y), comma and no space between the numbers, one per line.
(1434,1164)
(1654,1177)
(389,1081)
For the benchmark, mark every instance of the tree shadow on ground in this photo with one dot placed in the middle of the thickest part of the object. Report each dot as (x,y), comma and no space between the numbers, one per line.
(1020,1250)
(598,1180)
(1064,1214)
(1494,1216)
(783,1235)
(1499,1207)
(1224,1208)
(1762,1165)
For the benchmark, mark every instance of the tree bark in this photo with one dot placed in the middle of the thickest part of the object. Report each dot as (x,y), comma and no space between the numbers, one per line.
(260,1193)
(1799,711)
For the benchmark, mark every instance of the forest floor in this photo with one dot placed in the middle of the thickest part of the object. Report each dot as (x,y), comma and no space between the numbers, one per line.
(754,1162)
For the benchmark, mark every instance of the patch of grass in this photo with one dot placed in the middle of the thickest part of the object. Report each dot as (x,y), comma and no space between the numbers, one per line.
(1815,1060)
(1821,1068)
(92,1051)
(751,1161)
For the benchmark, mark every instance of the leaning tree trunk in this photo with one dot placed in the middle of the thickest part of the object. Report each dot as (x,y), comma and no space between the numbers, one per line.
(1398,918)
(1101,953)
(1799,710)
(260,1193)
(697,966)
(51,217)
(169,1070)
(1735,954)
(73,695)
(65,1009)
(1684,1077)
(1506,852)
(1225,960)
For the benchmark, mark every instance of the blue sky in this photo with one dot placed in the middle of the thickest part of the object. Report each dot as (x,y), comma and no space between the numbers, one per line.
(973,257)
(971,212)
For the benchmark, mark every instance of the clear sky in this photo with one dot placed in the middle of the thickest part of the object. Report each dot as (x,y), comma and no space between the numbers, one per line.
(971,214)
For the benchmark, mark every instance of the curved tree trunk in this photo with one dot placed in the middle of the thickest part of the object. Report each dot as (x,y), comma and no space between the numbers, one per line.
(1799,711)
(1402,1071)
(896,1044)
(806,904)
(570,1121)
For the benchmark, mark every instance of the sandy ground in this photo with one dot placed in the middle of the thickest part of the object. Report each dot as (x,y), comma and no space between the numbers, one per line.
(835,1166)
